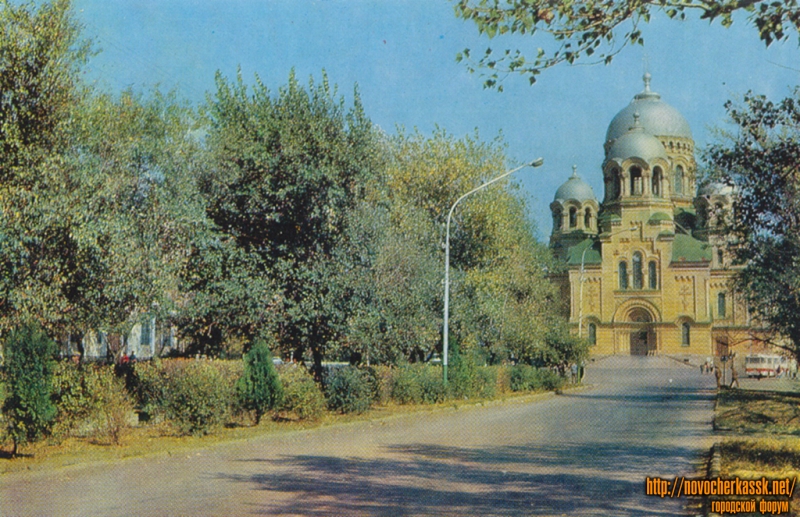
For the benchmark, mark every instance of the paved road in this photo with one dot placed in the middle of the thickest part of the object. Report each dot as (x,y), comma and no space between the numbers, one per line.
(584,453)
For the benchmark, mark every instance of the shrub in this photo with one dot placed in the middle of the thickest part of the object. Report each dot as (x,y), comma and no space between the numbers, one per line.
(380,379)
(348,390)
(485,382)
(503,374)
(431,384)
(528,378)
(197,396)
(90,400)
(463,374)
(29,369)
(259,388)
(301,395)
(405,386)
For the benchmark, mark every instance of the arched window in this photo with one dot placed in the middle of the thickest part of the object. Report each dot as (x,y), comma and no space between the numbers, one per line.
(685,334)
(679,180)
(656,182)
(638,274)
(720,258)
(557,220)
(623,275)
(592,334)
(587,219)
(652,274)
(573,217)
(721,305)
(617,179)
(636,181)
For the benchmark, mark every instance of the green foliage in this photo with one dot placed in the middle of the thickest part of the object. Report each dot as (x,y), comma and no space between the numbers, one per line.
(349,390)
(259,387)
(287,170)
(380,382)
(198,398)
(302,397)
(28,369)
(195,395)
(759,159)
(524,377)
(418,384)
(598,31)
(91,401)
(406,388)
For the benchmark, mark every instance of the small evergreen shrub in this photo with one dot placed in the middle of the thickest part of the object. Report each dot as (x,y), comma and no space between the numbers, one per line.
(28,368)
(503,379)
(259,388)
(348,390)
(463,375)
(302,397)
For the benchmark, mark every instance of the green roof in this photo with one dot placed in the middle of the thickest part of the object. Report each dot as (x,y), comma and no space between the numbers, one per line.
(688,249)
(575,253)
(610,217)
(658,217)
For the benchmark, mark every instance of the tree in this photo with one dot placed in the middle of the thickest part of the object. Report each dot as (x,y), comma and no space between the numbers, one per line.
(287,171)
(28,373)
(599,30)
(761,160)
(40,57)
(259,387)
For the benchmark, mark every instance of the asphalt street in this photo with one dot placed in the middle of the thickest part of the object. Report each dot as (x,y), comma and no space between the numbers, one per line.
(586,452)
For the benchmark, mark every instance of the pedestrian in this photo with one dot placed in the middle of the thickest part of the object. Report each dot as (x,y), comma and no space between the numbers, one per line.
(718,375)
(734,377)
(574,373)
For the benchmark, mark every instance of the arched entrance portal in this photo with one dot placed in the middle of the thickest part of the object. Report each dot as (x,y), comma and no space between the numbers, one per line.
(643,335)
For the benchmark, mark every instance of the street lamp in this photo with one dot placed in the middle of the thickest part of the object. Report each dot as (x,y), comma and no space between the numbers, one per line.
(536,163)
(583,263)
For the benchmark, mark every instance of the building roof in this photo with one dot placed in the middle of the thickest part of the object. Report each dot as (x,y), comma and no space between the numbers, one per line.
(686,248)
(636,143)
(575,188)
(575,253)
(657,117)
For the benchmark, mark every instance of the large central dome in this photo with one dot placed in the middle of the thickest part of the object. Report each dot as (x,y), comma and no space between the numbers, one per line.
(656,117)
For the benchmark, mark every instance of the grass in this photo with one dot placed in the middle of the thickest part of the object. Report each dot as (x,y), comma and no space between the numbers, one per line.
(159,439)
(748,412)
(766,436)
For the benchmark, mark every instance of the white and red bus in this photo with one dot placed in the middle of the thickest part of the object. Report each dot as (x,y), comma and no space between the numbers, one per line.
(763,365)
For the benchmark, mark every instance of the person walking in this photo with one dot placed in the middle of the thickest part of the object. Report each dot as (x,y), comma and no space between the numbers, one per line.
(718,375)
(734,377)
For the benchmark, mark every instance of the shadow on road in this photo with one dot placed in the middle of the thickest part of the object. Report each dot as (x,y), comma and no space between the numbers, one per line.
(435,480)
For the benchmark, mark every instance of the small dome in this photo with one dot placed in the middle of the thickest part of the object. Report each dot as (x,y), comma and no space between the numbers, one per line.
(636,143)
(657,117)
(575,188)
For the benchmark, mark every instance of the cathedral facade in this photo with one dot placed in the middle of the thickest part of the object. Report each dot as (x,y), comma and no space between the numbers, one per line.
(646,268)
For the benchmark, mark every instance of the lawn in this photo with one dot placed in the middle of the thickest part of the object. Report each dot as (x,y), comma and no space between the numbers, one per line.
(764,439)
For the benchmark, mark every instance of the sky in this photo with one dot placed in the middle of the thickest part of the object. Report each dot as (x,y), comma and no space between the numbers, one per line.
(401,54)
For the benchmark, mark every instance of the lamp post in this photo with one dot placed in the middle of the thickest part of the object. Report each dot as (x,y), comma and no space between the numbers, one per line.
(536,163)
(583,263)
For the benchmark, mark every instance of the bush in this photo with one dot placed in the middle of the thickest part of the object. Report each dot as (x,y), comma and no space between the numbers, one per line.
(431,384)
(405,386)
(90,400)
(301,395)
(259,388)
(528,378)
(485,384)
(198,397)
(348,390)
(28,373)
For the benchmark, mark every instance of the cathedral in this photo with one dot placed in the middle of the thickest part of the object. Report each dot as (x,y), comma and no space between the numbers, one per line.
(646,268)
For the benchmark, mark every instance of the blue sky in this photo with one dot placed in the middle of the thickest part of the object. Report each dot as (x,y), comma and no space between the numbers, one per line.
(402,55)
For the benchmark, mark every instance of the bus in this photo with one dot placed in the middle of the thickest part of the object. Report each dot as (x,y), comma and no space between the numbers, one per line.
(763,365)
